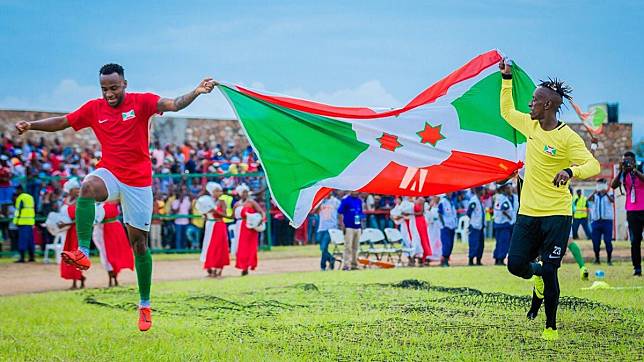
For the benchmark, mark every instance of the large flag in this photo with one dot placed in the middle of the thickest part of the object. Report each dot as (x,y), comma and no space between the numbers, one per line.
(449,137)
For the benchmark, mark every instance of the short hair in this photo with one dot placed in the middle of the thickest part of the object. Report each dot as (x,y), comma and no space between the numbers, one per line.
(629,154)
(601,180)
(112,68)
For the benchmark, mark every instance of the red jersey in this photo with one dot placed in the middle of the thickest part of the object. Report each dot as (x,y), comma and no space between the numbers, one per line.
(123,133)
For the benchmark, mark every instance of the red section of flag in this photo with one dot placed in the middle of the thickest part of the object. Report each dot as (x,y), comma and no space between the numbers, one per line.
(467,71)
(461,170)
(320,195)
(389,142)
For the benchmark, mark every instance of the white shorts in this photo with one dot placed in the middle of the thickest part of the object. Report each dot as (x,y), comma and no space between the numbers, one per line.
(136,202)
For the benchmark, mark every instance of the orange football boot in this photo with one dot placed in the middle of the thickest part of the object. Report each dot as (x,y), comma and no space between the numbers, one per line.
(77,259)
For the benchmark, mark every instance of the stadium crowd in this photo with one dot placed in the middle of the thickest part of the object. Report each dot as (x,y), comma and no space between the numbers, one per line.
(42,168)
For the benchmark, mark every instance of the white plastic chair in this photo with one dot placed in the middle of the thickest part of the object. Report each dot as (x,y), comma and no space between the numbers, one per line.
(462,228)
(337,239)
(394,236)
(56,247)
(375,237)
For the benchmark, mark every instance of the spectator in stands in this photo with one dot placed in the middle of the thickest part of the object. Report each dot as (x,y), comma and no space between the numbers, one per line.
(350,220)
(631,177)
(601,216)
(449,222)
(6,191)
(328,219)
(182,206)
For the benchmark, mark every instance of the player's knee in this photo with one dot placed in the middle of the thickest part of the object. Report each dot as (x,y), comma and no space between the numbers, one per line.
(517,266)
(93,188)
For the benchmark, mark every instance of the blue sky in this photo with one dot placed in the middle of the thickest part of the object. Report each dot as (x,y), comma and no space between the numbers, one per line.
(372,53)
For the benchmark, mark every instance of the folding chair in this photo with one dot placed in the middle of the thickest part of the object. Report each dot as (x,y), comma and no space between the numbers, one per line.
(395,240)
(337,239)
(377,244)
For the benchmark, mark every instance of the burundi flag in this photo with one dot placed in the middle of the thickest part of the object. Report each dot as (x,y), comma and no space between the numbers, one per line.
(449,137)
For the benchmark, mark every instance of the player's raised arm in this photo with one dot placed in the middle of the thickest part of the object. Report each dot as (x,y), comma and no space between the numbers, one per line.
(181,102)
(518,120)
(52,124)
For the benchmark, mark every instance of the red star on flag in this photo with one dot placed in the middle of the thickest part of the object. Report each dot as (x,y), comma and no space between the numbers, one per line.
(389,142)
(431,134)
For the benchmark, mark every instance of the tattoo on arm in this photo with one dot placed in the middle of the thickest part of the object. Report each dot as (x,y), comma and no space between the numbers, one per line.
(177,104)
(184,100)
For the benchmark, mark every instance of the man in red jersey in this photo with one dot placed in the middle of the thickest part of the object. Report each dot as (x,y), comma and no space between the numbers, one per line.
(121,123)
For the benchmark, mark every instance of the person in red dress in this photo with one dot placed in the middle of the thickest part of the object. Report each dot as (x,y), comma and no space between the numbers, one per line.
(215,253)
(248,238)
(69,272)
(111,241)
(421,226)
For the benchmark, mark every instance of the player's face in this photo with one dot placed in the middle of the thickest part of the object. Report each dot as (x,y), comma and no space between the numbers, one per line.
(537,110)
(216,193)
(113,88)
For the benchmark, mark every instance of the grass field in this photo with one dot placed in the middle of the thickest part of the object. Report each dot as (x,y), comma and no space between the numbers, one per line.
(459,313)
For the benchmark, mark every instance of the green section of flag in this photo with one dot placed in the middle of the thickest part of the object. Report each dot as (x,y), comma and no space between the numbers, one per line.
(297,149)
(478,109)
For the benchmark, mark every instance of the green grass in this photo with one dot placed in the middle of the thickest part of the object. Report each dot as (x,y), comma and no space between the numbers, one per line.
(460,313)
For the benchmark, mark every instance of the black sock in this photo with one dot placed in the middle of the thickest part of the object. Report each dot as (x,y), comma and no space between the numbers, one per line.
(534,308)
(551,294)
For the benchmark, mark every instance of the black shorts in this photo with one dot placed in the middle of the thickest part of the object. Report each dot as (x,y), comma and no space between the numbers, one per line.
(545,236)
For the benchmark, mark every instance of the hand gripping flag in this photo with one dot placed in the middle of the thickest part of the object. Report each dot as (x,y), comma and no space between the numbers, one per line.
(449,137)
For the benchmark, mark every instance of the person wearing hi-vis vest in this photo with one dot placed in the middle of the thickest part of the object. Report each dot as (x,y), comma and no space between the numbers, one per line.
(580,215)
(25,218)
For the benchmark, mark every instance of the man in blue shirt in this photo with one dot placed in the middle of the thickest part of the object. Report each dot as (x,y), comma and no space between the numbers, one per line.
(601,215)
(350,220)
(476,213)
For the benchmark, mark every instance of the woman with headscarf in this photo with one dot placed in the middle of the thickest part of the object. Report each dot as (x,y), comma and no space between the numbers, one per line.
(215,251)
(248,238)
(111,241)
(72,189)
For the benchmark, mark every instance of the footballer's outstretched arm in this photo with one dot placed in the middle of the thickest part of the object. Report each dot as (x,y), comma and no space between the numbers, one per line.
(181,102)
(52,124)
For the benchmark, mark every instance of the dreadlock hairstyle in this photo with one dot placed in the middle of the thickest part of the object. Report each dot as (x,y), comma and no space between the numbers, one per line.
(558,86)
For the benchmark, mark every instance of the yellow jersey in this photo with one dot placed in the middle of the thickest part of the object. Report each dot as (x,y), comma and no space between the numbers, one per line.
(547,153)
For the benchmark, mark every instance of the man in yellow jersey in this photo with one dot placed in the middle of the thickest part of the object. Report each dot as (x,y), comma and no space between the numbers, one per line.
(554,155)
